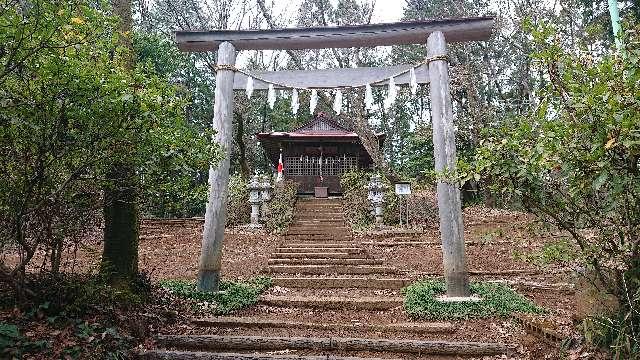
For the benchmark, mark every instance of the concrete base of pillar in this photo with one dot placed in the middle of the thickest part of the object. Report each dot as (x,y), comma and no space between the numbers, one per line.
(456,299)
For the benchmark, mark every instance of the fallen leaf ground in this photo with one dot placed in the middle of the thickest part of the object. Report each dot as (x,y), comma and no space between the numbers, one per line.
(170,250)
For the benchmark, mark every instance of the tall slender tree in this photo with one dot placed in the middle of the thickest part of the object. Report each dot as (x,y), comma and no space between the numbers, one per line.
(121,212)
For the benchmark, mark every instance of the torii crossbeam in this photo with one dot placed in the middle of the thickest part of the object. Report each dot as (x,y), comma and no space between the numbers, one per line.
(436,33)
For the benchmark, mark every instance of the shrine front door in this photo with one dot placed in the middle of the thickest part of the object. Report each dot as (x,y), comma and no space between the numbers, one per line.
(312,171)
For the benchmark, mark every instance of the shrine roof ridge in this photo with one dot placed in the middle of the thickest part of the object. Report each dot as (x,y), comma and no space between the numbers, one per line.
(366,35)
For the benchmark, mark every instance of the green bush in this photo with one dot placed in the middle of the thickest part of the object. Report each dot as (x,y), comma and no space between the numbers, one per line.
(76,295)
(497,300)
(238,207)
(233,295)
(423,209)
(13,345)
(574,160)
(280,209)
(422,203)
(354,193)
(554,252)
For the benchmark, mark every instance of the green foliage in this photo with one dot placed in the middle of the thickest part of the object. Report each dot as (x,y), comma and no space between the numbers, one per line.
(560,252)
(280,209)
(574,160)
(69,107)
(355,193)
(417,155)
(612,333)
(497,300)
(105,342)
(76,295)
(14,345)
(238,207)
(177,185)
(422,207)
(233,295)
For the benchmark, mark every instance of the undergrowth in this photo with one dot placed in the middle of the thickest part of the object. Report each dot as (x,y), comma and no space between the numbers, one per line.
(497,300)
(280,209)
(233,295)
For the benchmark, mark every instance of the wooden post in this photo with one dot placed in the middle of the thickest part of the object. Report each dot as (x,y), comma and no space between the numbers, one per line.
(216,214)
(449,203)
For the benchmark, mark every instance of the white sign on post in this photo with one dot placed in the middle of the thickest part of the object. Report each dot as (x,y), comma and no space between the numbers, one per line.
(403,188)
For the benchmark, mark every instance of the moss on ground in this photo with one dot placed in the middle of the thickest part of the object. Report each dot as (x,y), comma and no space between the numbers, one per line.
(233,295)
(497,300)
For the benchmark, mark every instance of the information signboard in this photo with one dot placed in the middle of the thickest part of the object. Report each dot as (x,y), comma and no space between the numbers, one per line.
(403,188)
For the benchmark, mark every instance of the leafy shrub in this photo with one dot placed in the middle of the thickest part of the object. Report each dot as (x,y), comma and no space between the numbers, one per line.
(423,209)
(357,209)
(497,300)
(573,161)
(76,295)
(69,112)
(612,333)
(13,345)
(422,204)
(233,295)
(238,207)
(280,209)
(554,252)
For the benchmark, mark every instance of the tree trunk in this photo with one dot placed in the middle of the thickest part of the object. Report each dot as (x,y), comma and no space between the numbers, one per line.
(245,170)
(121,213)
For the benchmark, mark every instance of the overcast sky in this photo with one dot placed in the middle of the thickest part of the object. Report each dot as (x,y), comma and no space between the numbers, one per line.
(385,10)
(388,10)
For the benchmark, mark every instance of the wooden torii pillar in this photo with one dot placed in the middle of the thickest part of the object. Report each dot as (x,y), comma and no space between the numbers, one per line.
(435,32)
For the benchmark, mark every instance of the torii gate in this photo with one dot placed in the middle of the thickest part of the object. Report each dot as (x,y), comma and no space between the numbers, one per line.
(435,32)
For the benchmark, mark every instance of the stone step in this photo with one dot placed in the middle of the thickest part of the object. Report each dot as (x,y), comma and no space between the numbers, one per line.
(323,219)
(331,269)
(324,213)
(318,228)
(370,303)
(318,237)
(310,249)
(320,255)
(319,218)
(311,244)
(319,232)
(341,282)
(253,322)
(304,208)
(296,220)
(325,262)
(272,343)
(201,355)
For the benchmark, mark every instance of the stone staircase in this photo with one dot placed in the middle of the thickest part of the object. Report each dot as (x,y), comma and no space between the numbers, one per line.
(331,300)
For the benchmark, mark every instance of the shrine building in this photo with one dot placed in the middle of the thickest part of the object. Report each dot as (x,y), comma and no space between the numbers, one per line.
(317,153)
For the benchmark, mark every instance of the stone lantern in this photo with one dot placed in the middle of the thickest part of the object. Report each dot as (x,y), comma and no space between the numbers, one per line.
(376,196)
(267,188)
(255,199)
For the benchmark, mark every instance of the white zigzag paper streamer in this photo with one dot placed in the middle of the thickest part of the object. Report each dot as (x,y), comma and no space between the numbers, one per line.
(249,87)
(413,82)
(368,97)
(337,102)
(271,96)
(294,101)
(313,102)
